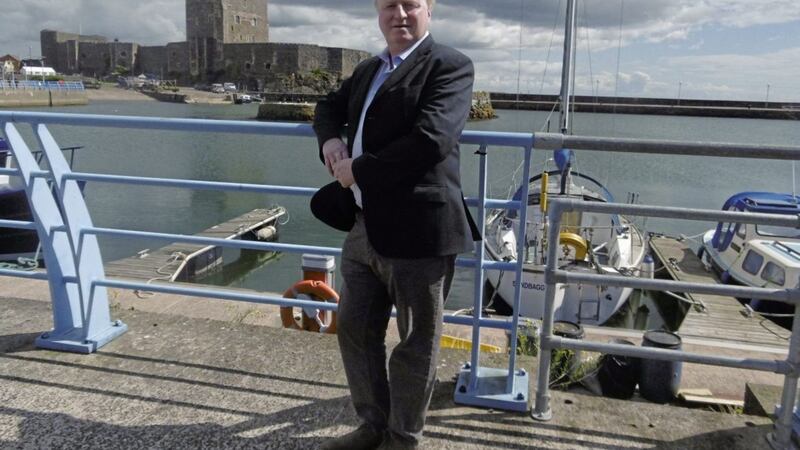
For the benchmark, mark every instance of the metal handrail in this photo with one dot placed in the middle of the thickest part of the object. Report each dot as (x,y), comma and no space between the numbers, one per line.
(553,275)
(483,139)
(486,140)
(42,85)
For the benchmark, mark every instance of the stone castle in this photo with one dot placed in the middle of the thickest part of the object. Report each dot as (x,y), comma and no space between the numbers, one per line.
(226,40)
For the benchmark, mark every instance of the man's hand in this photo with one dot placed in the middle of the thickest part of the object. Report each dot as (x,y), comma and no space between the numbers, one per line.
(343,171)
(333,150)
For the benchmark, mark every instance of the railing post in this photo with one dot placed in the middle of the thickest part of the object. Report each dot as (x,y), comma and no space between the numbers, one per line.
(484,386)
(517,381)
(98,329)
(477,310)
(781,438)
(541,410)
(78,324)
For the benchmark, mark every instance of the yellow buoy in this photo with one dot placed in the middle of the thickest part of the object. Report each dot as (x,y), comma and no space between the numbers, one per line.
(574,241)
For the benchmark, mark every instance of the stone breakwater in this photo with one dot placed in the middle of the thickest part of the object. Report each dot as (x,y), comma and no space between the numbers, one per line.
(657,106)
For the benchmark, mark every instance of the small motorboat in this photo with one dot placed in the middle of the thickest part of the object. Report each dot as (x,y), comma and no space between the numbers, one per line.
(757,255)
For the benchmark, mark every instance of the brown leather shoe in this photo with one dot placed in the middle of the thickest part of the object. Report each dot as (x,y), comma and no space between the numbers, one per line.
(364,437)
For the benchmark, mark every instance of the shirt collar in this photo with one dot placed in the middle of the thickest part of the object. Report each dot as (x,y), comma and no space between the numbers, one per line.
(397,59)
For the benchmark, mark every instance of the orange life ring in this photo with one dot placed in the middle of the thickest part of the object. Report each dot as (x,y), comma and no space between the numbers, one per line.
(313,290)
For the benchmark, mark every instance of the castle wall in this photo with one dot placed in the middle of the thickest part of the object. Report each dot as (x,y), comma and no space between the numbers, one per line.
(152,60)
(94,59)
(99,59)
(178,60)
(169,61)
(351,59)
(245,21)
(61,49)
(252,64)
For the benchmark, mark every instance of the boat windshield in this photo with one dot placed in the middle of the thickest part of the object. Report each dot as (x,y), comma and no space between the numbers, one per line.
(773,231)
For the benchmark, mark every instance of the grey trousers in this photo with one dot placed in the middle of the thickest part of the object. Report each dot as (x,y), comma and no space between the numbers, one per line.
(417,288)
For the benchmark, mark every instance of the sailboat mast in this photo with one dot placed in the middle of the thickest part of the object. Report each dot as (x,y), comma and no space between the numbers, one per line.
(567,68)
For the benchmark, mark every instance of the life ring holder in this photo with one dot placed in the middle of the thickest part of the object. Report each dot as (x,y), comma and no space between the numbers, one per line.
(310,290)
(575,241)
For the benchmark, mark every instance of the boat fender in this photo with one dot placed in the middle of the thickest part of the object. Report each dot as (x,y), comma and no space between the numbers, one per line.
(543,192)
(311,319)
(267,234)
(648,269)
(725,277)
(574,241)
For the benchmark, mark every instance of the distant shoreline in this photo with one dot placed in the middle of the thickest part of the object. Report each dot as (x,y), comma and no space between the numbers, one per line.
(114,93)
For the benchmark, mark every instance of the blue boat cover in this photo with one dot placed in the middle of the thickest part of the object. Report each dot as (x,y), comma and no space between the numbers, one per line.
(758,202)
(3,145)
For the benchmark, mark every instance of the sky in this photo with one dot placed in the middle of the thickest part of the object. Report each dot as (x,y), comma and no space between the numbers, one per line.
(705,49)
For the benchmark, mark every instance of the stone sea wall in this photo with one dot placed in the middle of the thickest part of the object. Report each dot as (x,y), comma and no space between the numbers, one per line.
(23,98)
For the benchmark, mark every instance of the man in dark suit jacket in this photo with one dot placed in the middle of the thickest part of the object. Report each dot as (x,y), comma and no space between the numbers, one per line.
(404,111)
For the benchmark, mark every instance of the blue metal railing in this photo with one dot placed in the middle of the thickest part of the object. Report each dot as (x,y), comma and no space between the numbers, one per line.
(34,85)
(76,260)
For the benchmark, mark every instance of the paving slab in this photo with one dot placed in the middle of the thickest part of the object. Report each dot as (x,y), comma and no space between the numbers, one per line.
(182,382)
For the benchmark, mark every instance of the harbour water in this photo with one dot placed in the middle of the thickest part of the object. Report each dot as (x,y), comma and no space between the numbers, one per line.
(702,182)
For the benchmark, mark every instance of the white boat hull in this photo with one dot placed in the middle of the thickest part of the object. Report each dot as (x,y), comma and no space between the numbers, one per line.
(618,249)
(592,305)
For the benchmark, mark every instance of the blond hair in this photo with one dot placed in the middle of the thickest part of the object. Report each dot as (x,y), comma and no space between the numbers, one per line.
(429,2)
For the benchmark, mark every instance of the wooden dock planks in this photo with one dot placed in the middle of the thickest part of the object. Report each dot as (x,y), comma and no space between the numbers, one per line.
(723,317)
(182,261)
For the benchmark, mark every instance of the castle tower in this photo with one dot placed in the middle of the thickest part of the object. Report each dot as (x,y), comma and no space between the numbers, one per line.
(212,23)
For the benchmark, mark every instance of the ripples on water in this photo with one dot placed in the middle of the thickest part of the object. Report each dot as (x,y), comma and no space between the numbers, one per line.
(692,182)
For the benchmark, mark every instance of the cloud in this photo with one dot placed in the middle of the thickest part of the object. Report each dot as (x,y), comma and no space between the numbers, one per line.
(489,32)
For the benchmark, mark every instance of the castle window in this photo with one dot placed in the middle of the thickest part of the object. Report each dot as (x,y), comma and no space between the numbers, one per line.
(238,19)
(267,66)
(254,21)
(123,54)
(247,66)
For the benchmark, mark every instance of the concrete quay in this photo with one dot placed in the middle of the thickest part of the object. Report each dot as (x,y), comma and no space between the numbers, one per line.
(180,379)
(23,98)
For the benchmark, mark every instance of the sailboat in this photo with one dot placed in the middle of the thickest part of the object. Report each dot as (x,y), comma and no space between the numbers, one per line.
(592,243)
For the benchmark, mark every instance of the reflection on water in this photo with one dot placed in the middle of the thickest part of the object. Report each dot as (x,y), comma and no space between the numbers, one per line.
(237,265)
(650,310)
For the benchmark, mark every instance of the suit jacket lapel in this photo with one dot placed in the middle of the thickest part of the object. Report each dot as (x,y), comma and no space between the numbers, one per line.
(363,87)
(417,56)
(359,96)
